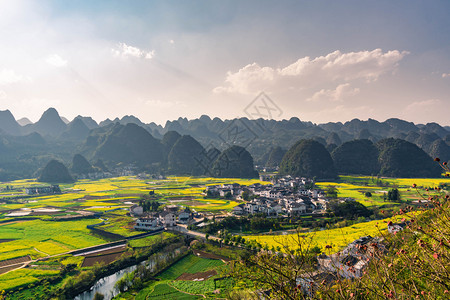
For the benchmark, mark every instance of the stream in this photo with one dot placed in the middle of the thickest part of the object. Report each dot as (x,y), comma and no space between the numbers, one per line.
(105,285)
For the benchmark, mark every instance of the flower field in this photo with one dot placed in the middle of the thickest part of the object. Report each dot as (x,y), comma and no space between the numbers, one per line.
(356,187)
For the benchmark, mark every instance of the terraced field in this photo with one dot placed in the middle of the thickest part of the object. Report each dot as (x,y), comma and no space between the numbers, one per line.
(192,277)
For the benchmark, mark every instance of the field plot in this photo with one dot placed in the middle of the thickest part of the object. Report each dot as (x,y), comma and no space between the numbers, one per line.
(190,264)
(39,238)
(149,240)
(165,291)
(189,278)
(338,238)
(105,257)
(23,276)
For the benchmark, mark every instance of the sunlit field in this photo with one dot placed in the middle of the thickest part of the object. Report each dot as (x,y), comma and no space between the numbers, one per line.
(356,186)
(39,238)
(39,226)
(338,238)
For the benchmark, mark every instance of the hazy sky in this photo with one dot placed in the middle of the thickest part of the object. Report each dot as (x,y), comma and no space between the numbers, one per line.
(158,60)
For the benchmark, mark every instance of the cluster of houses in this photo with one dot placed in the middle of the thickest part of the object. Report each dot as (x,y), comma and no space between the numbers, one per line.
(354,259)
(287,195)
(169,217)
(43,190)
(348,263)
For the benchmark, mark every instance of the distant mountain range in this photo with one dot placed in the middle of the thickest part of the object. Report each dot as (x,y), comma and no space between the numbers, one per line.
(27,147)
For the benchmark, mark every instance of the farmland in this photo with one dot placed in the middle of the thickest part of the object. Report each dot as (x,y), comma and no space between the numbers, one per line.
(40,226)
(356,187)
(189,278)
(34,227)
(338,238)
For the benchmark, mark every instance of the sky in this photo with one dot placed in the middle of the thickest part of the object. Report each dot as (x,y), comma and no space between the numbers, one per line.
(321,61)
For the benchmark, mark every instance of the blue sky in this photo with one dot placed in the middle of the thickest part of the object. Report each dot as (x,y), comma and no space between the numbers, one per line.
(159,60)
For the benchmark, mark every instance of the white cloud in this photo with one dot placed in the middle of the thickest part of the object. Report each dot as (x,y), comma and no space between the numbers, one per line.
(247,79)
(172,42)
(56,61)
(444,75)
(123,50)
(3,95)
(340,93)
(8,76)
(305,72)
(423,106)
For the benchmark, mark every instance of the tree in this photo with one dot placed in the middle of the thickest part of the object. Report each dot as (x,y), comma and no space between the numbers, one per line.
(349,209)
(368,194)
(332,192)
(393,195)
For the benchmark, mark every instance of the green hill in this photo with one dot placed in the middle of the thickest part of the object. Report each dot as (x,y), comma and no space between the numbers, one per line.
(234,162)
(55,172)
(80,165)
(356,157)
(399,158)
(275,157)
(185,155)
(308,158)
(128,144)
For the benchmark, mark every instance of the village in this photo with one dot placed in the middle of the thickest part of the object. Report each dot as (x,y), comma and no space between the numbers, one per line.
(283,198)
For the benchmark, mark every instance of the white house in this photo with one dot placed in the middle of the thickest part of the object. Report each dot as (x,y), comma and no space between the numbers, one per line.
(251,208)
(168,219)
(296,208)
(148,223)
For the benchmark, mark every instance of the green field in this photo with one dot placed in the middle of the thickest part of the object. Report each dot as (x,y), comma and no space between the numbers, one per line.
(35,227)
(150,240)
(164,291)
(106,194)
(39,238)
(171,288)
(23,276)
(112,197)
